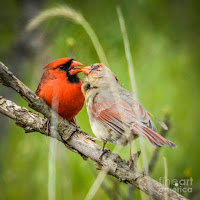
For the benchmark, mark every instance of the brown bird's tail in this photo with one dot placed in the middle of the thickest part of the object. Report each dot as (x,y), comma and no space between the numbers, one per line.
(152,136)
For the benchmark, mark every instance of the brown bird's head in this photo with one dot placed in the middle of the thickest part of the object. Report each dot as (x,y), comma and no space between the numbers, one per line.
(63,67)
(98,76)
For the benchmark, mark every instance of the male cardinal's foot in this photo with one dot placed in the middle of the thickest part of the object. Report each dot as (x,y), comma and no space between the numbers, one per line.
(73,120)
(48,124)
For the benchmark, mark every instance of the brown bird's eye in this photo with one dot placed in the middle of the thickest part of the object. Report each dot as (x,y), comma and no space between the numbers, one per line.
(95,67)
(88,86)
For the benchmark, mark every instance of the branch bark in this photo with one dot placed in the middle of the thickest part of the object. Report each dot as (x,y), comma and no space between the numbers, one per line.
(74,139)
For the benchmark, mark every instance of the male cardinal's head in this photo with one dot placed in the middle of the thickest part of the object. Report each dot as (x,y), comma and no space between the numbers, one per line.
(60,87)
(64,66)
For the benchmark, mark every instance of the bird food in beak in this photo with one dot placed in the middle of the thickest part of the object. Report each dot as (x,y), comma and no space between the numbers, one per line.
(86,70)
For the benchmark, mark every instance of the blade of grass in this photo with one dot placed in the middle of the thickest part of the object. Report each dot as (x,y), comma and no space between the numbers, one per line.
(69,13)
(52,170)
(101,175)
(100,178)
(131,75)
(52,158)
(72,14)
(127,49)
(97,183)
(166,177)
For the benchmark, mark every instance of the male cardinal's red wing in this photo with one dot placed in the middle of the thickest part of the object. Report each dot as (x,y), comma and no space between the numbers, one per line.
(120,116)
(43,78)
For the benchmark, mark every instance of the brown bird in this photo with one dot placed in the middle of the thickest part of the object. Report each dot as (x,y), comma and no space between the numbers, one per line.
(115,114)
(60,88)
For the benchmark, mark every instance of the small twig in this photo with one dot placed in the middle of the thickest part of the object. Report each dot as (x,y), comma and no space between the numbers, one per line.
(112,193)
(130,192)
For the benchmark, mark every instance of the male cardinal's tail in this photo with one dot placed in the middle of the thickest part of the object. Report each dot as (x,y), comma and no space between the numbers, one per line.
(152,136)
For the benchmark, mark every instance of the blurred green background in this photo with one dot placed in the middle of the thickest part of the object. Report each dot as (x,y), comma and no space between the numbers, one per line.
(164,40)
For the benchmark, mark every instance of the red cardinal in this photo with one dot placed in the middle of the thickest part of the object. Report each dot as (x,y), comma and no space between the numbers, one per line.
(115,114)
(60,88)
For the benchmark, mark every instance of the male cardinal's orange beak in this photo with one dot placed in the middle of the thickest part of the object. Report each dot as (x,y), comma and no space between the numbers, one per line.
(86,70)
(75,63)
(72,70)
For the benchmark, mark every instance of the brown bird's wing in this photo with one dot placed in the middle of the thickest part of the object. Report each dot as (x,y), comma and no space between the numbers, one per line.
(110,114)
(120,116)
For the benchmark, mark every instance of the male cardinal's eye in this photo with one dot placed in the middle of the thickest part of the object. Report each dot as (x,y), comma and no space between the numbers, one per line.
(62,67)
(67,65)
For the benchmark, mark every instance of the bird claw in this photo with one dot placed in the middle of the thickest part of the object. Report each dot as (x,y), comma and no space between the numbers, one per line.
(130,162)
(73,122)
(133,160)
(92,138)
(103,152)
(48,126)
(136,156)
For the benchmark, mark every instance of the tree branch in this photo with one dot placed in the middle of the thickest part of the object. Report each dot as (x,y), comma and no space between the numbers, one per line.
(74,138)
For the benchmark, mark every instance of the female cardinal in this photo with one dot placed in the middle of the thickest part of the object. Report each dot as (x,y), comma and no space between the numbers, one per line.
(60,88)
(115,114)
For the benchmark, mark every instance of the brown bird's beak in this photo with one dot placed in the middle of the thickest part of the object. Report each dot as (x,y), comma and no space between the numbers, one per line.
(86,70)
(73,70)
